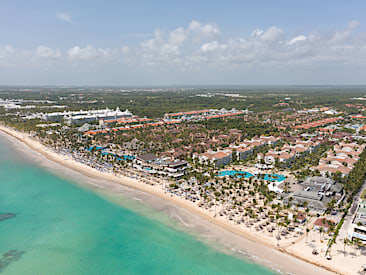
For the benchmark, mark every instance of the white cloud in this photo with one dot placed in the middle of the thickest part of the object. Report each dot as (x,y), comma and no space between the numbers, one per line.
(353,24)
(296,39)
(211,46)
(177,36)
(11,56)
(271,34)
(46,52)
(257,33)
(125,50)
(89,53)
(203,31)
(200,45)
(176,45)
(63,16)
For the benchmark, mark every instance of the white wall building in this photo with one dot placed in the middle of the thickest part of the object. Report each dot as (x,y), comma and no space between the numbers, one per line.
(80,117)
(357,229)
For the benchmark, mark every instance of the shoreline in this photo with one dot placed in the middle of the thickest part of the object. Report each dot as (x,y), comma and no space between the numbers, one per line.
(279,257)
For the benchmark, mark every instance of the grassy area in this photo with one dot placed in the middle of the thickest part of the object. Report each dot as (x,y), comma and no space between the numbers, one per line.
(363,195)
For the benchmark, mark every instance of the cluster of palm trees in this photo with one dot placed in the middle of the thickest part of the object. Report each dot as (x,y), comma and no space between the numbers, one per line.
(355,242)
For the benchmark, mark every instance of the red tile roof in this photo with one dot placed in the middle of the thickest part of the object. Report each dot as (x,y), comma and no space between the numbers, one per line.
(318,123)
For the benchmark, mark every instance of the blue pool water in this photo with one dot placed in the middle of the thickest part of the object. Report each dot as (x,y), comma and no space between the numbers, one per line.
(125,157)
(96,147)
(240,174)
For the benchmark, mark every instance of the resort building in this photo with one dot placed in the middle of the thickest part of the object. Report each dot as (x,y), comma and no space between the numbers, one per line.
(81,117)
(318,123)
(160,166)
(299,147)
(317,192)
(248,147)
(341,159)
(357,228)
(323,223)
(242,152)
(281,156)
(217,158)
(203,114)
(187,115)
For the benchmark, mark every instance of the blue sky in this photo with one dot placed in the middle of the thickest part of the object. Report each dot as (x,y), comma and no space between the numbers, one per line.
(182,42)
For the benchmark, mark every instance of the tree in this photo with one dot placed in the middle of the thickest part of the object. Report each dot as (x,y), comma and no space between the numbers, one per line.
(357,242)
(320,233)
(307,233)
(345,242)
(307,214)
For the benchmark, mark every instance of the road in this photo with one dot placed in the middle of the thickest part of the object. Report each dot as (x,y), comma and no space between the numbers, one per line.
(351,212)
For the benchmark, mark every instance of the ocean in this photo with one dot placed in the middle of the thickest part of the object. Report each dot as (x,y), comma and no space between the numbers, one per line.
(50,225)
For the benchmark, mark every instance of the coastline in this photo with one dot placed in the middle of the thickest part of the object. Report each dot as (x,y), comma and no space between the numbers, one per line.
(279,258)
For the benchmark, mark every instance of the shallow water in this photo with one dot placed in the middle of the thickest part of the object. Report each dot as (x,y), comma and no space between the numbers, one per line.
(54,226)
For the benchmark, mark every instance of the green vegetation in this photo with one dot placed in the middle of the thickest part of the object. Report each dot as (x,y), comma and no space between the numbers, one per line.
(356,177)
(248,129)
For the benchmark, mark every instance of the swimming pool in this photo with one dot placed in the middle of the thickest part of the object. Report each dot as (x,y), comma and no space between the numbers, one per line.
(234,173)
(103,153)
(96,147)
(240,174)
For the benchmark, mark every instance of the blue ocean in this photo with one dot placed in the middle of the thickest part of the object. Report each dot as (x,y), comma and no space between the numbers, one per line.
(49,225)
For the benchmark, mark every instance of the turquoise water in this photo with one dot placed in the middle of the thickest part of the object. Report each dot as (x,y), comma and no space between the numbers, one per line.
(125,157)
(60,228)
(96,147)
(240,174)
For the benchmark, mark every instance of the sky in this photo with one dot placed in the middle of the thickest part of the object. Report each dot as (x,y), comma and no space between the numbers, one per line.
(123,43)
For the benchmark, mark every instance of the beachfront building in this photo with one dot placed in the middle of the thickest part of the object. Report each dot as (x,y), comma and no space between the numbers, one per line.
(324,224)
(237,151)
(317,192)
(152,164)
(357,228)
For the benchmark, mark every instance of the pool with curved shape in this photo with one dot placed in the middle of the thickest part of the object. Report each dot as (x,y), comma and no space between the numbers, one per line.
(240,174)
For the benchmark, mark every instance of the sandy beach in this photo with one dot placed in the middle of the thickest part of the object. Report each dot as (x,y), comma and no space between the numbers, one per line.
(291,259)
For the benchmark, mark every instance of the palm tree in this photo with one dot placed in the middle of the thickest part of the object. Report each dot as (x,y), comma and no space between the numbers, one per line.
(307,214)
(307,233)
(320,232)
(357,242)
(294,219)
(345,242)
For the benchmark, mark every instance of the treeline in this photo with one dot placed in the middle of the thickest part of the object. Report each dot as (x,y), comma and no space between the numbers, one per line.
(248,129)
(356,177)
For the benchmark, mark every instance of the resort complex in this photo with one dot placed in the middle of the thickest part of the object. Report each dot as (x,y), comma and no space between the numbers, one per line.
(183,137)
(283,174)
